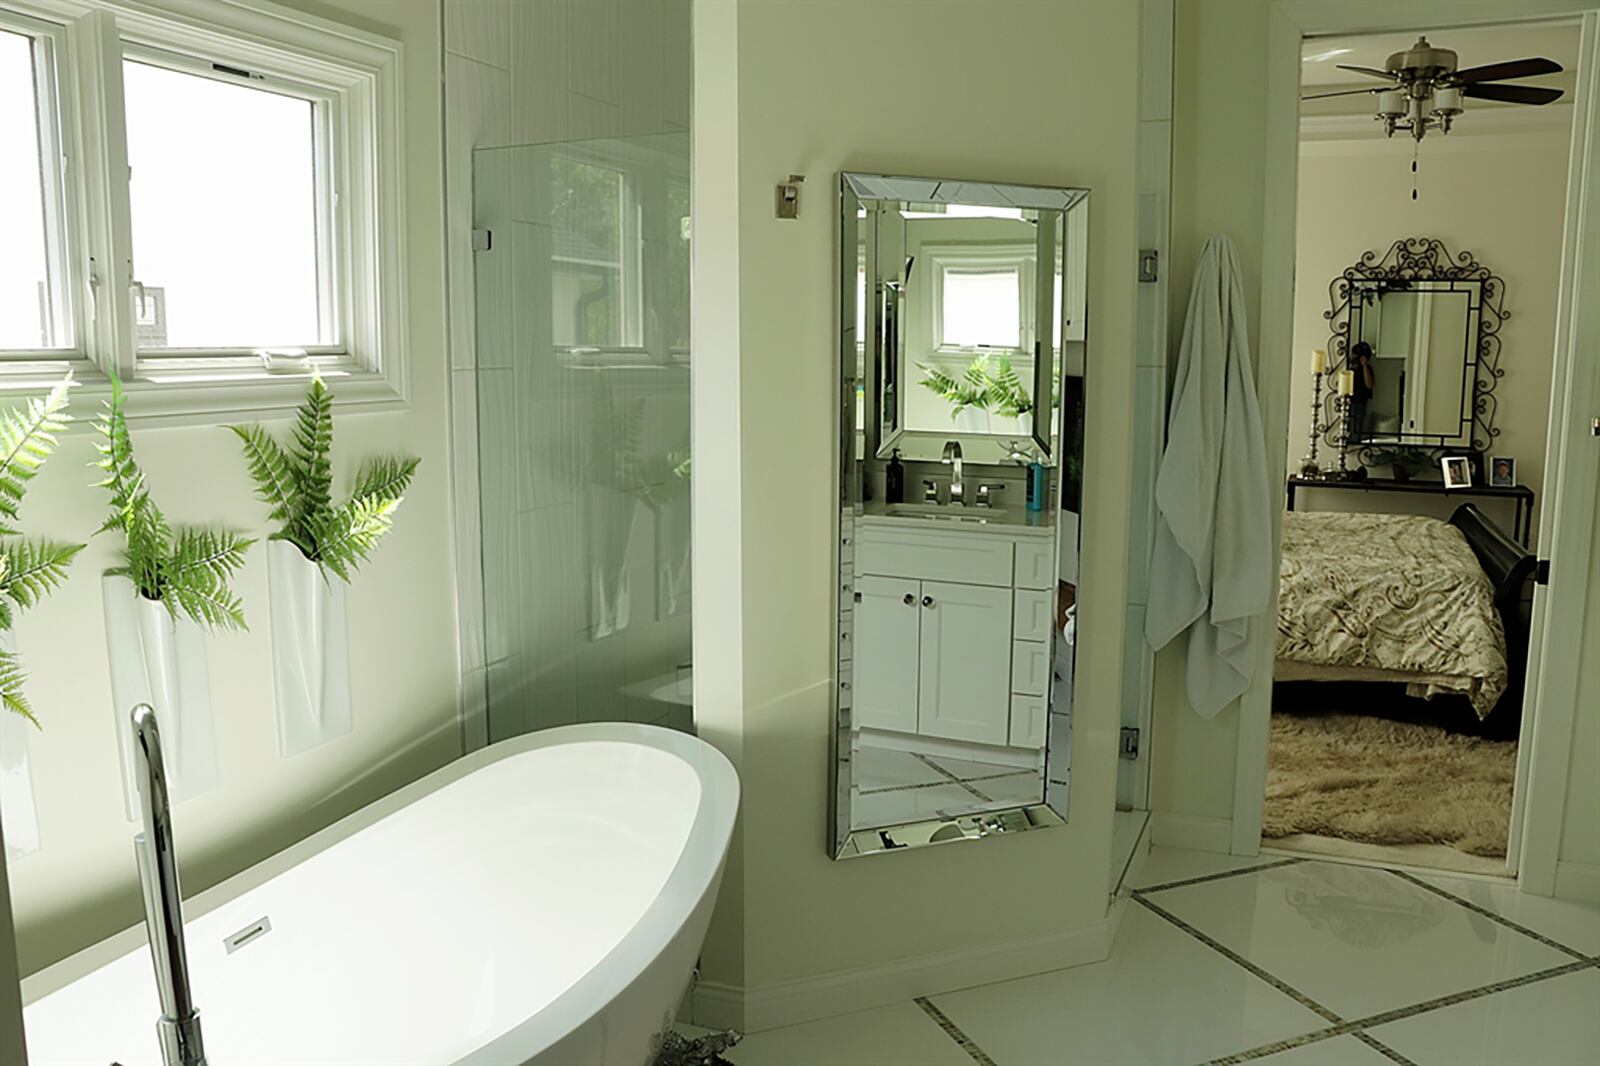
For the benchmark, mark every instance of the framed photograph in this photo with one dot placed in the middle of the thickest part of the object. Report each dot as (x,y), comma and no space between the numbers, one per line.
(1457,472)
(1503,472)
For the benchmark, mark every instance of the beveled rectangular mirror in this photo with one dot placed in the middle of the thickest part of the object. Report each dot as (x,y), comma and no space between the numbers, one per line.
(962,333)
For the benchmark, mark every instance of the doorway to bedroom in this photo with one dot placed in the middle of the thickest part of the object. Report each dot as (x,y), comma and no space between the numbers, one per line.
(1427,278)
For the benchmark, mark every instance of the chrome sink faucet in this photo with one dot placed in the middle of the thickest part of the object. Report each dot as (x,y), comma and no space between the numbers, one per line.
(179,1026)
(952,458)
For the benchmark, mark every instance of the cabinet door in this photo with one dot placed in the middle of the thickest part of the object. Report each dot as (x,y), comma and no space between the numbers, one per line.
(966,663)
(887,621)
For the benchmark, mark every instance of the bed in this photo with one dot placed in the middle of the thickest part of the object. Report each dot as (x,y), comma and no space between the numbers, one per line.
(1437,606)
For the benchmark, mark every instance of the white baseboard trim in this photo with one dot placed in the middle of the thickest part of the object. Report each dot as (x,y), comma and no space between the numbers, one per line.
(722,1006)
(1578,881)
(1196,833)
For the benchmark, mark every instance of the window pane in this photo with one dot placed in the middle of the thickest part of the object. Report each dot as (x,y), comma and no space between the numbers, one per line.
(25,309)
(223,193)
(677,311)
(861,306)
(982,307)
(592,294)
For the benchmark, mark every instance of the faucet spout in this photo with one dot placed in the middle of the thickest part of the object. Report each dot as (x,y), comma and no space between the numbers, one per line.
(179,1026)
(952,459)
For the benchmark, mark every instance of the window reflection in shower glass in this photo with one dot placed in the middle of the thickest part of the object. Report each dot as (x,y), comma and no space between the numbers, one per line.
(676,237)
(595,267)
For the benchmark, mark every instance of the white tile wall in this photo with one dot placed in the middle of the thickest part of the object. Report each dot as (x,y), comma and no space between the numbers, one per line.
(524,72)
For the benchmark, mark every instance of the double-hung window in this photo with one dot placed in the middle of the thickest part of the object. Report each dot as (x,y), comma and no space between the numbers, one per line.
(982,298)
(204,200)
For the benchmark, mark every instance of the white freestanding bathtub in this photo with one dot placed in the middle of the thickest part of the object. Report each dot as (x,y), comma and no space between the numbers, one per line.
(540,901)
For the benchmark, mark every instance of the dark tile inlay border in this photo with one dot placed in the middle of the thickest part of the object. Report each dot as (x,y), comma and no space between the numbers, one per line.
(953,1031)
(1239,960)
(1489,914)
(1223,875)
(939,784)
(955,779)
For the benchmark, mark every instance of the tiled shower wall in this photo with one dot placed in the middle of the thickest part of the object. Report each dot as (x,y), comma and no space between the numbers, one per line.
(521,72)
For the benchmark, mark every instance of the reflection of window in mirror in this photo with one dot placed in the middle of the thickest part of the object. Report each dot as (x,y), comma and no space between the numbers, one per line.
(861,305)
(981,308)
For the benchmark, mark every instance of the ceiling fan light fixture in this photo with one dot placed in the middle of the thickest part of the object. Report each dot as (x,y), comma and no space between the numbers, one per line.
(1391,104)
(1447,101)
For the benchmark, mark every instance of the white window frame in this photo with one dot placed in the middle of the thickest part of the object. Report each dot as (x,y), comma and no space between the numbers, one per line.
(354,76)
(982,258)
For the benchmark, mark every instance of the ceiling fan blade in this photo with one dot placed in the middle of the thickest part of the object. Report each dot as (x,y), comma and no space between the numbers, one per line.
(1341,92)
(1367,70)
(1514,68)
(1512,94)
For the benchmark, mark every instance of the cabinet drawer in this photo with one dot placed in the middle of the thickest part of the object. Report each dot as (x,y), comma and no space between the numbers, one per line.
(1031,617)
(1030,668)
(1036,565)
(1028,715)
(934,555)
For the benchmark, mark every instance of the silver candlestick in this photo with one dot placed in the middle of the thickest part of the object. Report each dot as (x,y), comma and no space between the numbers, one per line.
(1308,465)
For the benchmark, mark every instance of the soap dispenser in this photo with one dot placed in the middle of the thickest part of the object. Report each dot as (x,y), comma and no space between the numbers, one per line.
(895,480)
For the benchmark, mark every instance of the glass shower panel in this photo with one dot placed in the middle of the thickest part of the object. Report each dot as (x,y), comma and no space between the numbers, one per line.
(582,282)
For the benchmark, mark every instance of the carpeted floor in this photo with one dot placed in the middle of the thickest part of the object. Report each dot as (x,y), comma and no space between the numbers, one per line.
(1384,782)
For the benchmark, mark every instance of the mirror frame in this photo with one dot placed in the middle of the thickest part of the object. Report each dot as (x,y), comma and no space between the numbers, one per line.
(853,363)
(1408,261)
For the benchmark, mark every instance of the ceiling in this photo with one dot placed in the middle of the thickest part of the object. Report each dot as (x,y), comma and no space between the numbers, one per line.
(1475,46)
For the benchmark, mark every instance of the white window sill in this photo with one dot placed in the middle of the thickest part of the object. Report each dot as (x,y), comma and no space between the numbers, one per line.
(177,396)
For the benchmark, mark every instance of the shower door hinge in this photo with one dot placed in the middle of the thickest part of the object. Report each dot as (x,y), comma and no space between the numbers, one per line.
(1149,264)
(1129,748)
(1541,572)
(482,240)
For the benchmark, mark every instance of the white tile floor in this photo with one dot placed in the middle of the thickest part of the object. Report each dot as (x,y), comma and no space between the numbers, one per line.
(893,787)
(1289,962)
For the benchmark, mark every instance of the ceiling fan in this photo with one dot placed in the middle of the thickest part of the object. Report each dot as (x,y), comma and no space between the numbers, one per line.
(1427,91)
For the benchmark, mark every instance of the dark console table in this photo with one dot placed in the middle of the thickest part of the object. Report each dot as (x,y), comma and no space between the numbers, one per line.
(1521,495)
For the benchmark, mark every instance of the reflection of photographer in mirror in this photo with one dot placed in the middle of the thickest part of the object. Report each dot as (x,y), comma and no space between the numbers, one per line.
(1366,380)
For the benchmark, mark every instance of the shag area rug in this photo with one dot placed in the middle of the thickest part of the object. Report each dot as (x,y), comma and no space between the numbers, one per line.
(1384,782)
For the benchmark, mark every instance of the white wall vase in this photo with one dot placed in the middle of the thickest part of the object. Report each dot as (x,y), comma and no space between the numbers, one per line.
(17,811)
(310,650)
(160,659)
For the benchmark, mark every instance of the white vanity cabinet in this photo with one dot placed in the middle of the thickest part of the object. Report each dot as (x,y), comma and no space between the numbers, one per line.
(952,632)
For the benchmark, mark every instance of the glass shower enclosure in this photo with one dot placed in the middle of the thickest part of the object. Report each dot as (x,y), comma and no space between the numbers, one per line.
(582,336)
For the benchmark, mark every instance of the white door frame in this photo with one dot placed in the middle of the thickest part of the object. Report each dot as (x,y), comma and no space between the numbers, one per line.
(1573,465)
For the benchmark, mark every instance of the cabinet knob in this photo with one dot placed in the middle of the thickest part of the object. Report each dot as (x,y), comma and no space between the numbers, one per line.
(911,601)
(927,601)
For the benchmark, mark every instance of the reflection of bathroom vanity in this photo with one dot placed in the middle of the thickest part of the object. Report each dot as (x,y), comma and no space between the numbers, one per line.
(952,628)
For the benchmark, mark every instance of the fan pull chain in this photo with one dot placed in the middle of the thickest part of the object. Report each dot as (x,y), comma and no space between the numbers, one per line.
(1415,147)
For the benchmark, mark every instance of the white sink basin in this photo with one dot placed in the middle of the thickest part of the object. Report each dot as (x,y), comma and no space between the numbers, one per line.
(950,512)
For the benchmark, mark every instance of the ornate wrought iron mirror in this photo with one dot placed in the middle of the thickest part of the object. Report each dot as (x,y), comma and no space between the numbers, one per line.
(1419,328)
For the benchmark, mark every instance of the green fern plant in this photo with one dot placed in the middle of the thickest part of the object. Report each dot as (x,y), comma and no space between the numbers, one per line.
(296,481)
(29,569)
(189,569)
(998,389)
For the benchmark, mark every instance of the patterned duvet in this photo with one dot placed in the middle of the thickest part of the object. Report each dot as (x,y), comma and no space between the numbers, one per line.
(1388,598)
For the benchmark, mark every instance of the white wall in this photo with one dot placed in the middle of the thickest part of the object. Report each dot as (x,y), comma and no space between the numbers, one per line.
(1500,196)
(1065,113)
(80,885)
(1218,134)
